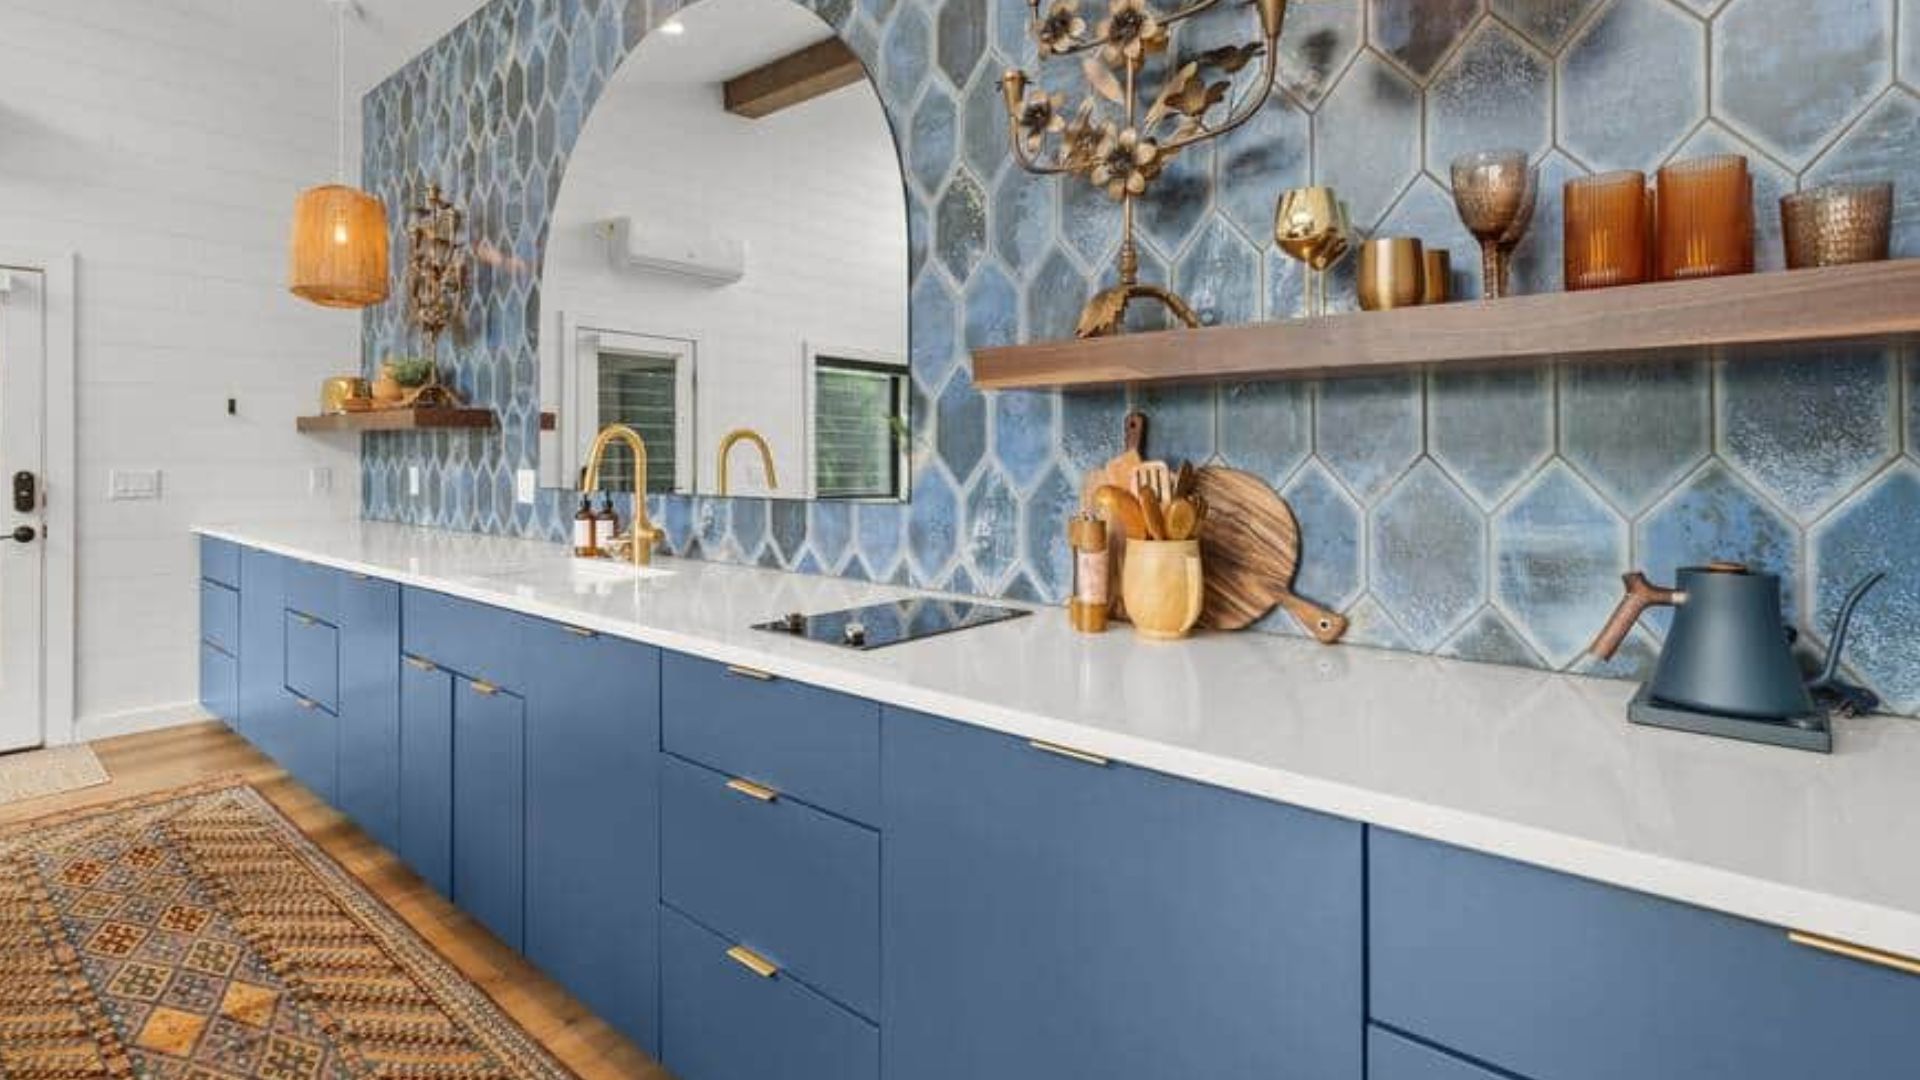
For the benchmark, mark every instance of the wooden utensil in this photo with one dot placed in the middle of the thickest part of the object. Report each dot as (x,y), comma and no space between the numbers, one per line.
(1182,519)
(1251,545)
(1152,479)
(1118,471)
(1151,509)
(1120,508)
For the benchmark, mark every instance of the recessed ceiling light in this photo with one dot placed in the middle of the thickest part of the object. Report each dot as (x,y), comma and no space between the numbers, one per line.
(673,28)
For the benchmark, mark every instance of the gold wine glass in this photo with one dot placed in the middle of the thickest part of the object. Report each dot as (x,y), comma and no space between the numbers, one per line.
(1494,192)
(1311,226)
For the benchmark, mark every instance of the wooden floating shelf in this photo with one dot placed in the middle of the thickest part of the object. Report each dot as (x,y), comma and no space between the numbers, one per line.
(1863,303)
(406,420)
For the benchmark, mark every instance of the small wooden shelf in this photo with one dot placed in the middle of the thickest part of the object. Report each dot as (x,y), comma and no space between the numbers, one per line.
(1870,302)
(406,420)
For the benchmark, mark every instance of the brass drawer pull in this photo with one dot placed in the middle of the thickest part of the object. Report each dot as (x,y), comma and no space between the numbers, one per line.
(423,665)
(749,673)
(358,576)
(305,620)
(757,792)
(581,631)
(1861,953)
(753,961)
(485,689)
(1069,753)
(306,703)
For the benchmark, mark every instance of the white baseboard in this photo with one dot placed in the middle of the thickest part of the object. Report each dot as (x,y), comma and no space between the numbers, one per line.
(134,721)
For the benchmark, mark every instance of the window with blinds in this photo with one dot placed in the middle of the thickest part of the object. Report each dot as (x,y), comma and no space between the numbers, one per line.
(639,391)
(859,429)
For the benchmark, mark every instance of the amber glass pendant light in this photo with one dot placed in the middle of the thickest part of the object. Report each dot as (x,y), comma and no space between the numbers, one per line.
(339,232)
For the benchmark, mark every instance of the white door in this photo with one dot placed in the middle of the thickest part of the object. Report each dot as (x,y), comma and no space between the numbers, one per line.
(23,358)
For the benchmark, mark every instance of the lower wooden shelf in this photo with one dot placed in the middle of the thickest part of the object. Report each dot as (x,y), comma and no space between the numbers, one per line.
(406,420)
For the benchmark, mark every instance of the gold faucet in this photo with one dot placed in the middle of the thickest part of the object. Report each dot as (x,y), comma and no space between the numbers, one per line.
(740,435)
(641,535)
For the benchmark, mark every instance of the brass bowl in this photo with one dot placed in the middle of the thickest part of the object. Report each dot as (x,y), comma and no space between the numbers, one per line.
(1393,273)
(337,392)
(1837,225)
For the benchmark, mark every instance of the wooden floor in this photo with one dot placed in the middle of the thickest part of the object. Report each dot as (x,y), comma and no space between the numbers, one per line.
(178,756)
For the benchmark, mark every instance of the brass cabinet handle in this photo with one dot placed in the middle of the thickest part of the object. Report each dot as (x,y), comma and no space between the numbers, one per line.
(749,673)
(757,792)
(423,665)
(357,576)
(580,631)
(753,961)
(305,620)
(1861,953)
(306,703)
(1069,753)
(484,688)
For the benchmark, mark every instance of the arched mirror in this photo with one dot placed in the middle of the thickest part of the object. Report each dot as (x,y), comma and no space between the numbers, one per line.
(727,267)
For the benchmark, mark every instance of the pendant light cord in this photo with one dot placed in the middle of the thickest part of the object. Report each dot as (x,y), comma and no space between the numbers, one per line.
(340,60)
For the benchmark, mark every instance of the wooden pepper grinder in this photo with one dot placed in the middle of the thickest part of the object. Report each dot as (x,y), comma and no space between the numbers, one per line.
(1092,595)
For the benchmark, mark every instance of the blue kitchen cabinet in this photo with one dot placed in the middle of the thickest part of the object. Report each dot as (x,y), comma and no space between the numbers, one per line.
(220,629)
(592,822)
(1392,1056)
(307,741)
(1051,917)
(265,707)
(490,806)
(368,787)
(426,772)
(1554,977)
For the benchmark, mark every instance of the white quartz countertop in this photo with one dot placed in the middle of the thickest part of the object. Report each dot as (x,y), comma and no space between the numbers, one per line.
(1532,766)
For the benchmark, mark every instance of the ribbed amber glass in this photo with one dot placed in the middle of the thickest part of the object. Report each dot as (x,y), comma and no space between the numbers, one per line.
(339,248)
(1606,230)
(1703,218)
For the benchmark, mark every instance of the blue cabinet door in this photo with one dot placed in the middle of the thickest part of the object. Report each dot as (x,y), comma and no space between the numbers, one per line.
(426,772)
(593,811)
(219,683)
(489,807)
(1391,1056)
(368,788)
(307,745)
(1047,917)
(264,705)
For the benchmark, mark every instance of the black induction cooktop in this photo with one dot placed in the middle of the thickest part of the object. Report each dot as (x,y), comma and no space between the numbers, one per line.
(881,625)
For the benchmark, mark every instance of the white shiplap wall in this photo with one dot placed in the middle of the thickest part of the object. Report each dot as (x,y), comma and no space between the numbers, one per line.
(162,142)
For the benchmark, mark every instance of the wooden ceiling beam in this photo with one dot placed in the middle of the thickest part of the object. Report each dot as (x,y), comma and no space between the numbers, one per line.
(798,77)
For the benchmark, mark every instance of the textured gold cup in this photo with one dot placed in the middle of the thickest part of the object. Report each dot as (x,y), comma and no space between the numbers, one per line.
(1393,273)
(1438,285)
(336,392)
(1837,225)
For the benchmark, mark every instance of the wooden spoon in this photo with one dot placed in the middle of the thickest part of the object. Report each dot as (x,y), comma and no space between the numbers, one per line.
(1119,506)
(1150,510)
(1182,519)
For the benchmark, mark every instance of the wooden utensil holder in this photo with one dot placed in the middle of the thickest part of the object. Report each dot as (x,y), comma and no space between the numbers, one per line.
(1165,588)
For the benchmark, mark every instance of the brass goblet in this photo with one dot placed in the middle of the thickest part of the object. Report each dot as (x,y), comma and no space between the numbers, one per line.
(1494,192)
(1311,225)
(1392,273)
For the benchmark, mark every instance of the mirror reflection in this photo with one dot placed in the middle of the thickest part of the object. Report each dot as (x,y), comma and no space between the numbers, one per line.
(727,268)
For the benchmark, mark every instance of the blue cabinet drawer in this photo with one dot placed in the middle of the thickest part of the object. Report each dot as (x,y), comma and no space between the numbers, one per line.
(313,660)
(1558,978)
(1393,1057)
(474,640)
(796,885)
(812,744)
(220,561)
(219,683)
(314,590)
(721,1020)
(220,616)
(307,745)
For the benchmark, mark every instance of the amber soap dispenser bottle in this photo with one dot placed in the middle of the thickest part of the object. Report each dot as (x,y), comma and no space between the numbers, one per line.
(586,540)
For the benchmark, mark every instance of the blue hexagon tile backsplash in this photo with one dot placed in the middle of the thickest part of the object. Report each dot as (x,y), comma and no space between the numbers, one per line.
(1485,516)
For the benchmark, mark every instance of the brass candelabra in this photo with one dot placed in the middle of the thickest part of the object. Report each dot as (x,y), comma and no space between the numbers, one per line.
(1113,145)
(437,279)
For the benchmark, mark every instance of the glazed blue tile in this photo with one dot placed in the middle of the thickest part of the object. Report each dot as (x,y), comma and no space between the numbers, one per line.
(787,528)
(1366,139)
(1632,85)
(1285,295)
(1023,220)
(993,528)
(1873,532)
(749,525)
(905,55)
(960,426)
(1427,555)
(1011,34)
(1790,74)
(1558,553)
(932,140)
(809,564)
(960,226)
(1420,33)
(1320,39)
(932,524)
(1811,423)
(983,121)
(1262,159)
(1714,517)
(1092,427)
(1054,299)
(1546,23)
(960,38)
(1490,639)
(1633,429)
(1427,213)
(1368,430)
(1884,145)
(1369,625)
(1026,428)
(1539,263)
(1220,277)
(993,309)
(1177,202)
(878,10)
(1909,66)
(1182,422)
(879,530)
(1047,557)
(1330,570)
(1770,181)
(1266,428)
(1490,429)
(1089,221)
(713,525)
(1634,662)
(676,521)
(934,335)
(1497,91)
(1913,404)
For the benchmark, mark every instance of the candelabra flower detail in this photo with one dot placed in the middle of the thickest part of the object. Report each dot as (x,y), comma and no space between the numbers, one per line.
(1108,140)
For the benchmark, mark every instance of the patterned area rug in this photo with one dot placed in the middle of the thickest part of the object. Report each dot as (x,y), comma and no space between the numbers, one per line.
(197,935)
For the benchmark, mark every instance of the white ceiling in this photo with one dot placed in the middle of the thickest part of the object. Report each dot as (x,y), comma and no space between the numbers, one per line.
(392,32)
(723,38)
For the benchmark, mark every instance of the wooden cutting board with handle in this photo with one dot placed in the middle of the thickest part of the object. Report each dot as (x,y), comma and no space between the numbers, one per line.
(1250,548)
(1119,471)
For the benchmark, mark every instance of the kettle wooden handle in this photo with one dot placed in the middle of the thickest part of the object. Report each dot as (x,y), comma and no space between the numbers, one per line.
(1641,595)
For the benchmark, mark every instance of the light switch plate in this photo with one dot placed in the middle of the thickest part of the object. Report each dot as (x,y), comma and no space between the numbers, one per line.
(526,486)
(413,480)
(319,480)
(129,484)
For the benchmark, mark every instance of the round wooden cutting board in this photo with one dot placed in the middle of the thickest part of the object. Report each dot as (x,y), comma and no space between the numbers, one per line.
(1250,548)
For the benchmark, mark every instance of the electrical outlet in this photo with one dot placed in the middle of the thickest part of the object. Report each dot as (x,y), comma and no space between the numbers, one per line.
(319,480)
(526,486)
(129,484)
(413,481)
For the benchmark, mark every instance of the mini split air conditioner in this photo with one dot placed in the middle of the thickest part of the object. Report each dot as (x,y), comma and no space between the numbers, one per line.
(677,251)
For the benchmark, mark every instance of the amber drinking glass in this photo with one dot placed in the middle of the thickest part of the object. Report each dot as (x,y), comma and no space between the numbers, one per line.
(1606,230)
(1494,192)
(1837,224)
(1703,218)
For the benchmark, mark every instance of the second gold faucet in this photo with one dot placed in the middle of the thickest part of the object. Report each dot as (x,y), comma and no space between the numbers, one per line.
(735,437)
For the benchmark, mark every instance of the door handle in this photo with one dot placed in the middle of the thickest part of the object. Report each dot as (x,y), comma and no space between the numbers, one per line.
(25,534)
(753,961)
